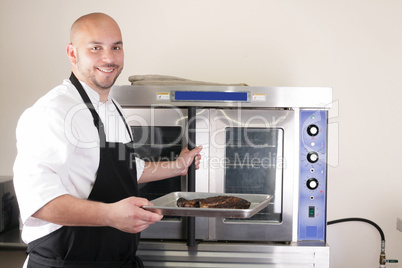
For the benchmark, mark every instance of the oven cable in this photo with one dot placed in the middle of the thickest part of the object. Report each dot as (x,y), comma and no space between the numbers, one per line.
(383,259)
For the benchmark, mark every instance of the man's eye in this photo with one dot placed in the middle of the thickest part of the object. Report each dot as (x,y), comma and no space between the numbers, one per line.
(95,48)
(116,48)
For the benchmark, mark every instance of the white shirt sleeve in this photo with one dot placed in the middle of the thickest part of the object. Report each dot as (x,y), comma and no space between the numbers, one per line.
(43,156)
(140,167)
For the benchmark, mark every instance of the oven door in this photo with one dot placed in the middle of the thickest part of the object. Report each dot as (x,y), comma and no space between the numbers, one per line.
(253,152)
(160,134)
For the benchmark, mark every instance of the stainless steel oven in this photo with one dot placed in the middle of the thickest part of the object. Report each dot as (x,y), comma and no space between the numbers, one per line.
(257,140)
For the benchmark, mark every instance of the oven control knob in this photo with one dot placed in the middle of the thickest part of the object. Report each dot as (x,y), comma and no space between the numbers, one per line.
(312,183)
(312,157)
(312,130)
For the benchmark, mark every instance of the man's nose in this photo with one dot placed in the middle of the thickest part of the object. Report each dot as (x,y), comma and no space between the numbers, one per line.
(107,56)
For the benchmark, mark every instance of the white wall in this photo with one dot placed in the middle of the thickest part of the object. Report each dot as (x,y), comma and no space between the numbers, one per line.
(353,46)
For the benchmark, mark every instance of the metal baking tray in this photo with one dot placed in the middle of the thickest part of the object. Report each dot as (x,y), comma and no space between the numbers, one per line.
(166,205)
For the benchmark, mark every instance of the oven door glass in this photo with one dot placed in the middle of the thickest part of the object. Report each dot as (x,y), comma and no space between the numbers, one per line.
(254,166)
(159,135)
(258,157)
(153,144)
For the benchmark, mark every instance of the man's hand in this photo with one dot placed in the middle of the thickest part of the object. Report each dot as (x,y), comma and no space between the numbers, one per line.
(186,157)
(128,216)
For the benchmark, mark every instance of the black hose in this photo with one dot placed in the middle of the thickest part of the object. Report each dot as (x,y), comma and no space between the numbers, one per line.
(362,220)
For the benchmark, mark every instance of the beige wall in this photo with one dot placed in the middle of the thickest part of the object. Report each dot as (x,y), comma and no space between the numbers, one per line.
(353,46)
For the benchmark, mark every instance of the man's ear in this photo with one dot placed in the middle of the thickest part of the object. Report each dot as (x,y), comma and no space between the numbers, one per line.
(71,53)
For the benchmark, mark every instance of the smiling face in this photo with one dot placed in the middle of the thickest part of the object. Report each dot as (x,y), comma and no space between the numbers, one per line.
(96,52)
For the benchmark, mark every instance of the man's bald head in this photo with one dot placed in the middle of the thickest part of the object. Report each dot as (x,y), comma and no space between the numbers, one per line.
(91,22)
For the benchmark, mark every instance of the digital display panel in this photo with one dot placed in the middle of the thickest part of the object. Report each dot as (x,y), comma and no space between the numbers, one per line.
(210,96)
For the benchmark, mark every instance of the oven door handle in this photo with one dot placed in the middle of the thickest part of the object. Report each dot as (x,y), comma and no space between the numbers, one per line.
(191,173)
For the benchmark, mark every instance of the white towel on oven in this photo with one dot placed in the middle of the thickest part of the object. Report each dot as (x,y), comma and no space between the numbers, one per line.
(165,80)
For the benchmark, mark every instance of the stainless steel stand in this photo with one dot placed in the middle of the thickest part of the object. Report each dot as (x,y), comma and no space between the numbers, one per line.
(230,254)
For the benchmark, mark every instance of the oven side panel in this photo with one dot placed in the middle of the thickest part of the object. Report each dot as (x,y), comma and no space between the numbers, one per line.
(313,175)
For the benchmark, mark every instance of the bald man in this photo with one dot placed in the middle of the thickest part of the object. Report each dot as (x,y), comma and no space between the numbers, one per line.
(77,195)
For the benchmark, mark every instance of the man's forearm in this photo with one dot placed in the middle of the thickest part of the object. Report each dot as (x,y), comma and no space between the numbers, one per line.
(125,215)
(154,171)
(71,211)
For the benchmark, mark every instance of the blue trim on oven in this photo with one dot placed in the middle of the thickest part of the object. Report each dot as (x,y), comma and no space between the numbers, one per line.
(313,175)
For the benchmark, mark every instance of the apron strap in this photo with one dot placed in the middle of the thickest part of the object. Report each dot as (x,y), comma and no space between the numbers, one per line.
(97,121)
(87,101)
(124,120)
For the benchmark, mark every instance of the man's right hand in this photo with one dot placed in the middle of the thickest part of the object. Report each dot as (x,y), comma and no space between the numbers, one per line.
(128,216)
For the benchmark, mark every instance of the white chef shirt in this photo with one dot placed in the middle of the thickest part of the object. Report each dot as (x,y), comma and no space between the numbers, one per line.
(58,151)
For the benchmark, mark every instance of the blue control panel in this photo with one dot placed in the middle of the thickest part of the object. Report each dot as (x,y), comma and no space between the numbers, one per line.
(313,175)
(210,96)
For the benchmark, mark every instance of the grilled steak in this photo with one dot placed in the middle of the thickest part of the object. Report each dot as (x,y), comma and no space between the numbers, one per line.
(182,202)
(221,201)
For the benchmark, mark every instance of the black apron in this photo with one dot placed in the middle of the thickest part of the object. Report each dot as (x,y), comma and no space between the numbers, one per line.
(84,247)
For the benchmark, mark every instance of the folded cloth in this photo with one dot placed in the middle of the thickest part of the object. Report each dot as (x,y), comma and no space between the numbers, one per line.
(165,80)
